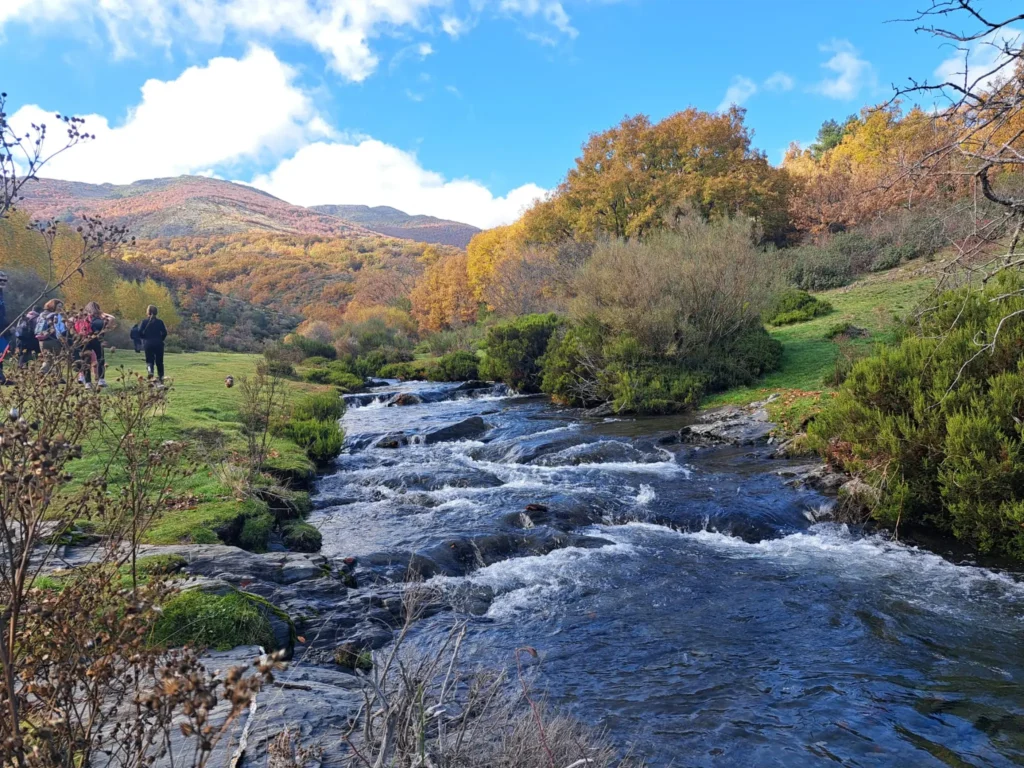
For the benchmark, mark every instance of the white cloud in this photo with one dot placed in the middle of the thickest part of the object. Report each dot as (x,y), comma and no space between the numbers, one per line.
(779,81)
(339,29)
(852,73)
(742,88)
(229,111)
(454,27)
(983,63)
(370,172)
(212,119)
(551,11)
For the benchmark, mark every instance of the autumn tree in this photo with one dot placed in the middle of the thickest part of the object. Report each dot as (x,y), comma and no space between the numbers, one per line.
(633,176)
(443,298)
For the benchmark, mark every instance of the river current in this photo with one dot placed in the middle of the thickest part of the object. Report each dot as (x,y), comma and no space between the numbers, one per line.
(682,598)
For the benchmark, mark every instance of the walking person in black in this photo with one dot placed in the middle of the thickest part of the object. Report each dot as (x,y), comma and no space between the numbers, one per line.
(153,332)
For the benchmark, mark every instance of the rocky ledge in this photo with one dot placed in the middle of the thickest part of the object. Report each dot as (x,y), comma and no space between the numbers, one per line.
(732,425)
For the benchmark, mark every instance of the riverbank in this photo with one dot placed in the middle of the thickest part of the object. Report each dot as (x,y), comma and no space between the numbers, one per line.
(809,350)
(208,504)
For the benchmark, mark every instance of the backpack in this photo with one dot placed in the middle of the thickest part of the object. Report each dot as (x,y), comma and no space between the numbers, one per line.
(82,326)
(25,329)
(44,326)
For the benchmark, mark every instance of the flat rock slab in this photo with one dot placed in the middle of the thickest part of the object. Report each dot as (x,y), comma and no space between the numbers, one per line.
(465,430)
(730,426)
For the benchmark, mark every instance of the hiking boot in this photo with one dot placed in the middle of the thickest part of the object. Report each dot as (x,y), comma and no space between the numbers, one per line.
(101,383)
(88,384)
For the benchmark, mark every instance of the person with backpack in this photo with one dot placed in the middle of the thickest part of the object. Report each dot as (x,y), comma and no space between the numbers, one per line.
(25,337)
(153,332)
(90,328)
(52,332)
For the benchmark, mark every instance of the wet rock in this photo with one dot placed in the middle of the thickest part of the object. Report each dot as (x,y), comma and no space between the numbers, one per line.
(464,430)
(817,477)
(393,440)
(857,500)
(794,448)
(404,399)
(600,412)
(599,452)
(536,508)
(473,386)
(730,426)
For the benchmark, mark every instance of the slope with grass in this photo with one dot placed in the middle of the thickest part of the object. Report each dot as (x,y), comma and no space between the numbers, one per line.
(204,413)
(809,356)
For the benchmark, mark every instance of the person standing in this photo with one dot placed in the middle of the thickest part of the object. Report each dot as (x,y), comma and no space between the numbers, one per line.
(153,332)
(96,323)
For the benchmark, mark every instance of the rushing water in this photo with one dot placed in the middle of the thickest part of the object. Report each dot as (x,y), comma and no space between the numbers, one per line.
(684,599)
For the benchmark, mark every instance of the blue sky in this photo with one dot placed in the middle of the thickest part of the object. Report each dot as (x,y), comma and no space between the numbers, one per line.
(466,109)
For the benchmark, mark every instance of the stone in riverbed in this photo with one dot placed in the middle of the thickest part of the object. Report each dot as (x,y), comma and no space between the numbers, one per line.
(730,426)
(406,398)
(464,430)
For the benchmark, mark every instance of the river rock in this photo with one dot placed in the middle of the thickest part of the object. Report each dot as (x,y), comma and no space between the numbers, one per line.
(406,398)
(464,430)
(857,500)
(472,386)
(730,426)
(817,477)
(393,440)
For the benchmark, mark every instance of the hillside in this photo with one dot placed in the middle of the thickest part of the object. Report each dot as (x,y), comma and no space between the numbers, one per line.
(396,223)
(181,206)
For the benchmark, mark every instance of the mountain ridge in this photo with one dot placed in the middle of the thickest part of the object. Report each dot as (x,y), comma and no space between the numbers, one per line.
(202,206)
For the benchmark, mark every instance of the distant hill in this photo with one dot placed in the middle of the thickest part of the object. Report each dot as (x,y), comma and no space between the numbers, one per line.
(181,206)
(196,206)
(396,223)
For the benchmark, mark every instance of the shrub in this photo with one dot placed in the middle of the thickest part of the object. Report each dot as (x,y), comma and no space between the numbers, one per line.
(817,269)
(891,257)
(281,368)
(311,347)
(316,361)
(417,370)
(221,622)
(514,349)
(585,366)
(937,427)
(371,363)
(300,536)
(321,407)
(795,306)
(321,440)
(458,366)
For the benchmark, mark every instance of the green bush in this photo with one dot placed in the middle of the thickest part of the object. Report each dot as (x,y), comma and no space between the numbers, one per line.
(416,370)
(321,440)
(334,374)
(939,428)
(316,361)
(514,349)
(280,368)
(300,536)
(204,620)
(312,347)
(371,363)
(320,407)
(458,366)
(795,306)
(584,367)
(891,257)
(817,269)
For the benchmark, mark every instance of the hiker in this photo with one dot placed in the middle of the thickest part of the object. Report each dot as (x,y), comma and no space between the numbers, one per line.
(25,336)
(153,332)
(90,327)
(5,343)
(52,332)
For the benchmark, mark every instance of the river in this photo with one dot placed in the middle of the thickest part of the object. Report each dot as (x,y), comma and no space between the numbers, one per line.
(682,598)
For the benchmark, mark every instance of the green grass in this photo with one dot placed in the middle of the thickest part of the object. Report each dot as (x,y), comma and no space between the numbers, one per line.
(221,622)
(203,412)
(808,356)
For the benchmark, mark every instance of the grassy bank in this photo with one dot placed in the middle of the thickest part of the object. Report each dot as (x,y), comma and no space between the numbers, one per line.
(809,356)
(203,412)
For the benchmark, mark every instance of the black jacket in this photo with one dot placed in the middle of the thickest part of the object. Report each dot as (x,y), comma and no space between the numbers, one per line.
(153,332)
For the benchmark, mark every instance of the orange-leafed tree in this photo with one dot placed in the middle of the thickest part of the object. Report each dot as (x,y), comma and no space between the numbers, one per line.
(443,297)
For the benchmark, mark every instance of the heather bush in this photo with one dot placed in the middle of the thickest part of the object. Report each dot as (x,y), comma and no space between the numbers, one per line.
(795,306)
(936,423)
(513,351)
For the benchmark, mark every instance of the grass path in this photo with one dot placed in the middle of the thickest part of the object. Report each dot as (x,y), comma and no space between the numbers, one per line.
(872,303)
(203,412)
